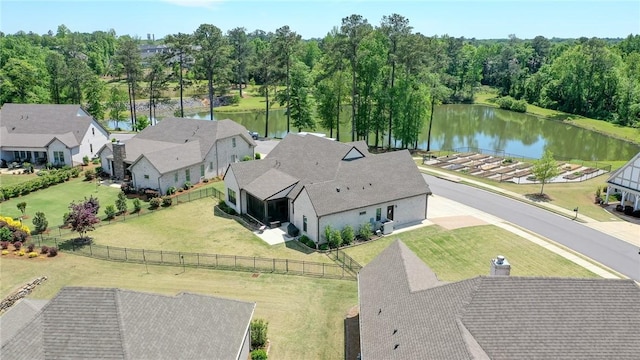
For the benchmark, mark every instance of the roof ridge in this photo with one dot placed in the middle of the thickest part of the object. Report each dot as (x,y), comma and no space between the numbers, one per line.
(121,330)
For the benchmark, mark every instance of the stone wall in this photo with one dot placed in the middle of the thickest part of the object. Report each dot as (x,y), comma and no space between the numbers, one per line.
(20,293)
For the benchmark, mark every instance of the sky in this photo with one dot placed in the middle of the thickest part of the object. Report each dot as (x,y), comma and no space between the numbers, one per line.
(480,19)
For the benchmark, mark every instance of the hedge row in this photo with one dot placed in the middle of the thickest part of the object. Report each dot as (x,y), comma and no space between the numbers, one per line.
(45,179)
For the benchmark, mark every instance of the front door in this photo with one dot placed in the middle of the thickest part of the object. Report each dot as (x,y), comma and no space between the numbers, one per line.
(390,212)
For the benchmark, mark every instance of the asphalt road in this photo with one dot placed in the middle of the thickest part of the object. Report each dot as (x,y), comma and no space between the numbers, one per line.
(608,250)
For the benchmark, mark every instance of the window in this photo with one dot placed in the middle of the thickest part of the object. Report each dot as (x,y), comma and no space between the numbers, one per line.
(93,131)
(232,196)
(58,157)
(146,176)
(175,177)
(234,158)
(91,148)
(202,170)
(187,175)
(210,165)
(378,214)
(304,223)
(363,213)
(233,142)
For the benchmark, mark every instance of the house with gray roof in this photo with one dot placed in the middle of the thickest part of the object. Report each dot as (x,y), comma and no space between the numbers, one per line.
(49,133)
(101,323)
(176,151)
(626,181)
(407,313)
(314,182)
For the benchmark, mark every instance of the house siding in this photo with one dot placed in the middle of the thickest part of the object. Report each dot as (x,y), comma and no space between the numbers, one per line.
(406,211)
(95,138)
(106,163)
(230,182)
(246,346)
(57,145)
(139,170)
(302,206)
(225,152)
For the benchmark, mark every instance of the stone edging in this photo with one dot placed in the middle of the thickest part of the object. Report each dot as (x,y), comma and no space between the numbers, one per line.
(20,293)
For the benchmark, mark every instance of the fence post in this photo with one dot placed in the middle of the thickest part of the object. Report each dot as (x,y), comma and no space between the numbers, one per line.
(90,250)
(125,254)
(254,263)
(198,257)
(161,259)
(235,261)
(322,269)
(108,257)
(286,263)
(216,260)
(273,269)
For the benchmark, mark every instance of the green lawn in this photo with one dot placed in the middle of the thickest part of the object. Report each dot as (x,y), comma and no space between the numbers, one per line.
(54,201)
(17,178)
(305,315)
(192,227)
(465,253)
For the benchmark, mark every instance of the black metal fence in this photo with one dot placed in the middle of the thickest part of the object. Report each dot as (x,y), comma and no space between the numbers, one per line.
(202,260)
(346,261)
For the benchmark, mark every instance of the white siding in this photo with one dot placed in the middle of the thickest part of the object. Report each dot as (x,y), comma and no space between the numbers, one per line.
(139,170)
(303,207)
(106,163)
(226,152)
(241,198)
(93,139)
(57,145)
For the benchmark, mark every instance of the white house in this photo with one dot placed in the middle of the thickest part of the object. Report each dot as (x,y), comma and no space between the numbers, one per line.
(313,182)
(177,151)
(626,180)
(49,133)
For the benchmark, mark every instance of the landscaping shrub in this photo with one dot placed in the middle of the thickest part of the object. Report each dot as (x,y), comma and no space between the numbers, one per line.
(4,245)
(53,251)
(110,211)
(171,190)
(30,247)
(258,332)
(85,160)
(508,103)
(155,202)
(121,202)
(33,254)
(246,158)
(90,174)
(308,242)
(6,235)
(5,252)
(335,240)
(44,249)
(21,252)
(17,245)
(75,172)
(226,208)
(187,185)
(22,206)
(365,231)
(636,213)
(628,210)
(348,235)
(324,246)
(166,201)
(258,354)
(258,156)
(136,205)
(95,162)
(40,222)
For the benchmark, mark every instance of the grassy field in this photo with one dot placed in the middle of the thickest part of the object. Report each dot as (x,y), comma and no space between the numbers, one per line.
(12,179)
(464,253)
(620,132)
(305,315)
(192,227)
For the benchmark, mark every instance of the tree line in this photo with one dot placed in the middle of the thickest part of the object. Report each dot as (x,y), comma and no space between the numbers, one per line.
(386,76)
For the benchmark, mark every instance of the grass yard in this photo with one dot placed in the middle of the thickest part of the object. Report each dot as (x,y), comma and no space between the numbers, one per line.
(17,178)
(305,315)
(465,253)
(54,201)
(192,227)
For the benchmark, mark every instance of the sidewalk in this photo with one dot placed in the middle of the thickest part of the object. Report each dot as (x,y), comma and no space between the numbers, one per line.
(625,231)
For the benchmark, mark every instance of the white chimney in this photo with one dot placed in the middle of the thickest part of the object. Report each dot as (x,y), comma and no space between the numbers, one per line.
(500,266)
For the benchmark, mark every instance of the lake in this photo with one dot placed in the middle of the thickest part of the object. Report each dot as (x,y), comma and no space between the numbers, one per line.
(461,126)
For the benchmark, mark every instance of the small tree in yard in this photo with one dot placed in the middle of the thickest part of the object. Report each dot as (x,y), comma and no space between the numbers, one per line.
(40,222)
(83,216)
(110,211)
(258,333)
(136,205)
(121,203)
(22,206)
(545,169)
(347,235)
(365,231)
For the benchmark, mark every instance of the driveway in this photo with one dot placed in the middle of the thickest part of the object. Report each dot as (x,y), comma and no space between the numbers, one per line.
(601,247)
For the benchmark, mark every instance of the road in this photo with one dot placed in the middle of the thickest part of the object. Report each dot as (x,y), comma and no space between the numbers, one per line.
(605,249)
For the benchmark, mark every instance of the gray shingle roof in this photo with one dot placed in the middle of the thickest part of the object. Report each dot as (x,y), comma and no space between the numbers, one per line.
(35,125)
(494,317)
(18,316)
(317,164)
(175,143)
(119,324)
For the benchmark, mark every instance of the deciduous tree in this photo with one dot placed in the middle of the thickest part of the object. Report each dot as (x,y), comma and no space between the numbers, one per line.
(545,169)
(83,216)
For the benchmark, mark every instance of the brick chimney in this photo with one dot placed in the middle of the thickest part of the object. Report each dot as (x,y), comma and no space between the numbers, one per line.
(500,266)
(119,154)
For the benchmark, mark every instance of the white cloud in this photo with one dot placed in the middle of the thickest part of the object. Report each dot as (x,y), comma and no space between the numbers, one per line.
(194,3)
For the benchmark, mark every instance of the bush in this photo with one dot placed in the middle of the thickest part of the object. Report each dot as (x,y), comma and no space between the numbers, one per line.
(5,252)
(110,211)
(33,254)
(95,161)
(166,201)
(246,158)
(171,190)
(90,174)
(30,247)
(40,222)
(4,245)
(187,185)
(365,231)
(44,249)
(233,100)
(53,252)
(258,156)
(348,235)
(155,202)
(21,252)
(636,213)
(324,246)
(258,354)
(85,160)
(226,208)
(136,205)
(258,332)
(335,240)
(508,103)
(121,202)
(17,245)
(6,234)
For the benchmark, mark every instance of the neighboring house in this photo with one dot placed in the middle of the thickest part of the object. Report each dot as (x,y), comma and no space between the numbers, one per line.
(407,313)
(96,323)
(177,151)
(48,133)
(626,180)
(313,182)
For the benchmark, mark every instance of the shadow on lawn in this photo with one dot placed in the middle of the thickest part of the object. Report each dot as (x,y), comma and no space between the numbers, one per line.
(538,197)
(297,246)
